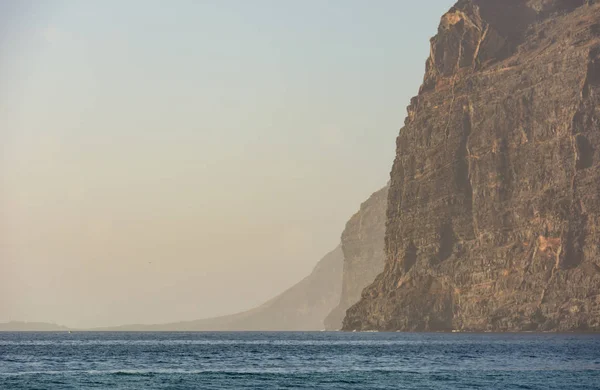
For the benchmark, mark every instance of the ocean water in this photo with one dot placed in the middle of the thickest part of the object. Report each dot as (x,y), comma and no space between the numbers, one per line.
(318,360)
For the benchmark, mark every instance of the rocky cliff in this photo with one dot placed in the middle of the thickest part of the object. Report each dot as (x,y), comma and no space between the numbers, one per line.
(362,244)
(493,220)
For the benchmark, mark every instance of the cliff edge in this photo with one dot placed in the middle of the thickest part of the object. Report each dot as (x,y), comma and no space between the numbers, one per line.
(493,220)
(364,258)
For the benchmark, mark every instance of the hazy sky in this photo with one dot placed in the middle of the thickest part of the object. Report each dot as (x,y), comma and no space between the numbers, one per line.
(164,161)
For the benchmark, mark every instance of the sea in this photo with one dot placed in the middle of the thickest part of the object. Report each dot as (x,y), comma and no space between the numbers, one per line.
(319,360)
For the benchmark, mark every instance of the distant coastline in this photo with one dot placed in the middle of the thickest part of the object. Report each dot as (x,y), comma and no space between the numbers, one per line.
(25,326)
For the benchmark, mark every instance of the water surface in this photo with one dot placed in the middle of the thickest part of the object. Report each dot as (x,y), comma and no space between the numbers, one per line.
(298,361)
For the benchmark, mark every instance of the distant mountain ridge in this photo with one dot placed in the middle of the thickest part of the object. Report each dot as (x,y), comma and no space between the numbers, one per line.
(24,326)
(300,308)
(317,302)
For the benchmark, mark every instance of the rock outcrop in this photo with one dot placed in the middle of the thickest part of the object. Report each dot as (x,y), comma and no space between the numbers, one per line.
(493,220)
(362,244)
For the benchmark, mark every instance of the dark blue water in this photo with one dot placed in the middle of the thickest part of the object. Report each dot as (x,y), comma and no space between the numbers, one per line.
(297,361)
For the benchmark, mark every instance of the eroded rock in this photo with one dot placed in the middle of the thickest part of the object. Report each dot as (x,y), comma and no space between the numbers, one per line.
(493,220)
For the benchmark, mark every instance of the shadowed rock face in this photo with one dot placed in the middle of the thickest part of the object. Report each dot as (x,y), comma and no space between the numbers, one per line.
(362,244)
(493,220)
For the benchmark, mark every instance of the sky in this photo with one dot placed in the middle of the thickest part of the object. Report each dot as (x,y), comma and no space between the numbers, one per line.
(165,161)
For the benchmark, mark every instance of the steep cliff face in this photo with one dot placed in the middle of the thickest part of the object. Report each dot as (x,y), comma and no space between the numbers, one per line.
(493,220)
(362,244)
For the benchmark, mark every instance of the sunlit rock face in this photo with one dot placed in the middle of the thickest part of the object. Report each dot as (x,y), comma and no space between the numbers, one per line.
(493,220)
(364,257)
